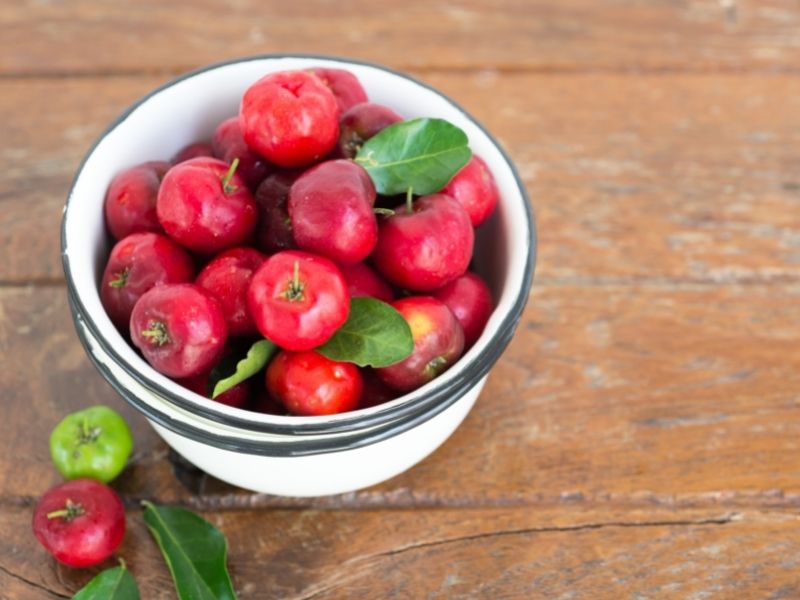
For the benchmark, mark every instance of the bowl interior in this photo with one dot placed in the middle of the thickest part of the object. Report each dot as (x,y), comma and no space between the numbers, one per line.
(189,109)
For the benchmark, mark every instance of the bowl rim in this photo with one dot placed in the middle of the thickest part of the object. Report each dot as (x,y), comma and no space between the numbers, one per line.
(424,406)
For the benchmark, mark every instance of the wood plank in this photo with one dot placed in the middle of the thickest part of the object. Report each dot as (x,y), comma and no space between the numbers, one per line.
(508,553)
(607,394)
(653,178)
(93,37)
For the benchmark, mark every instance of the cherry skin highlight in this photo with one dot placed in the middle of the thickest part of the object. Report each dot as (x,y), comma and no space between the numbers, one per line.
(179,328)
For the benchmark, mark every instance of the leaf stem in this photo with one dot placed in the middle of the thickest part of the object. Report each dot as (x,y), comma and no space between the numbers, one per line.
(227,186)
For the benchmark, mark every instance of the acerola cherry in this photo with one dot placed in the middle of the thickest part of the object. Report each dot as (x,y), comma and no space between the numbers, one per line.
(345,86)
(136,264)
(274,231)
(228,144)
(298,300)
(80,522)
(375,391)
(291,118)
(362,280)
(426,247)
(360,123)
(474,187)
(236,397)
(179,328)
(310,384)
(204,205)
(438,342)
(195,150)
(470,301)
(227,277)
(330,206)
(130,205)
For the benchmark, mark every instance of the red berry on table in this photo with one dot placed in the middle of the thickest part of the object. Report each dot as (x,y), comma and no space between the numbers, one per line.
(205,206)
(237,396)
(474,187)
(310,384)
(359,123)
(228,144)
(291,118)
(179,328)
(362,280)
(195,150)
(330,207)
(136,264)
(470,300)
(274,230)
(438,343)
(298,300)
(130,205)
(80,522)
(427,247)
(227,277)
(345,86)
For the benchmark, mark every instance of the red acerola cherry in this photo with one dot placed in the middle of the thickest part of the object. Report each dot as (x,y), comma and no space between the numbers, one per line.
(438,342)
(474,187)
(274,231)
(237,396)
(136,264)
(298,300)
(80,522)
(362,280)
(229,144)
(195,150)
(345,86)
(375,391)
(309,384)
(130,205)
(179,328)
(427,247)
(227,277)
(330,207)
(291,118)
(470,300)
(359,123)
(204,205)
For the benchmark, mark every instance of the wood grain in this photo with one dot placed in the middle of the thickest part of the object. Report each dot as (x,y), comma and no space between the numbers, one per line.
(468,553)
(655,178)
(80,36)
(610,394)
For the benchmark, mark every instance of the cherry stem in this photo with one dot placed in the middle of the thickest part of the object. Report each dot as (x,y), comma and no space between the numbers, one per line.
(385,212)
(410,200)
(227,186)
(435,365)
(157,333)
(294,291)
(70,511)
(87,434)
(120,279)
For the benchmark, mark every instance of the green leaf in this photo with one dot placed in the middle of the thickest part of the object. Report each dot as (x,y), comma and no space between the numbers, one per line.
(111,584)
(374,334)
(195,552)
(258,356)
(422,154)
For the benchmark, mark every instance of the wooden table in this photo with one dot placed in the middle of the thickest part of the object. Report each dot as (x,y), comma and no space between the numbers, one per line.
(638,439)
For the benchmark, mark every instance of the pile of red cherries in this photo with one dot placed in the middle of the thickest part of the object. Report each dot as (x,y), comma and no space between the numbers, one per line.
(270,229)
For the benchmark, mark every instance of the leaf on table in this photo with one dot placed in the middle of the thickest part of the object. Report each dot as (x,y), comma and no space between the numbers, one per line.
(374,334)
(195,552)
(422,154)
(111,584)
(258,356)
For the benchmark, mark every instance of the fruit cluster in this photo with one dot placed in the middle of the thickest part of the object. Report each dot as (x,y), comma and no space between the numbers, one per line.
(288,221)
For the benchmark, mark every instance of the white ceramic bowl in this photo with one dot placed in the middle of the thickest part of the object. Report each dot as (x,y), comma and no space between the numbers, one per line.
(293,456)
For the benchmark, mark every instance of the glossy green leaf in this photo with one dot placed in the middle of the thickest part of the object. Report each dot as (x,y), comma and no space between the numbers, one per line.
(111,584)
(422,154)
(258,356)
(374,334)
(195,552)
